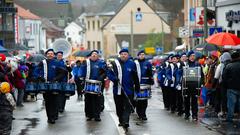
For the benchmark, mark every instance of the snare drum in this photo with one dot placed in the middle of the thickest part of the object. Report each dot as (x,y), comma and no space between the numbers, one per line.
(55,87)
(93,86)
(68,89)
(144,93)
(43,87)
(31,88)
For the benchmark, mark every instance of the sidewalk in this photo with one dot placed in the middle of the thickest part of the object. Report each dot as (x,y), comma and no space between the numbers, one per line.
(211,120)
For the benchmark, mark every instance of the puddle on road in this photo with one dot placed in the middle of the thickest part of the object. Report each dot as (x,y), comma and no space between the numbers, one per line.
(33,123)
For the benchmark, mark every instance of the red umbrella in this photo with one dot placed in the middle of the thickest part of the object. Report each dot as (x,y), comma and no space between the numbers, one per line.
(223,38)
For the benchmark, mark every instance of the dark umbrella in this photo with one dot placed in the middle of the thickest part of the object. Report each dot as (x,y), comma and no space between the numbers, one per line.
(205,47)
(36,58)
(81,53)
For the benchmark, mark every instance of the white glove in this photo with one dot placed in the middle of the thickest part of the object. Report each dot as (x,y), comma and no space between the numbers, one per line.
(178,87)
(11,99)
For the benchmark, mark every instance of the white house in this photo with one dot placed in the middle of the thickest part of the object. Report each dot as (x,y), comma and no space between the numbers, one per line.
(74,34)
(28,29)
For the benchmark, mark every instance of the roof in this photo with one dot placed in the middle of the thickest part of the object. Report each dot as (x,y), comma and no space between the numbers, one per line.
(74,24)
(49,25)
(26,14)
(123,4)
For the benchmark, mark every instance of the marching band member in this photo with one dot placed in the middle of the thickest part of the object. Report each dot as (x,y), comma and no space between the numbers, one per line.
(144,70)
(171,79)
(125,79)
(50,70)
(191,93)
(62,97)
(163,82)
(179,74)
(93,69)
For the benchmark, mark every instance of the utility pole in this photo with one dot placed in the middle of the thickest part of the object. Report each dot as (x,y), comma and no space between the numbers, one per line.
(132,36)
(205,20)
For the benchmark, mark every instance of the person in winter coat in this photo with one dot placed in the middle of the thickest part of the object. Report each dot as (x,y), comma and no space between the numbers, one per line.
(221,92)
(7,104)
(230,80)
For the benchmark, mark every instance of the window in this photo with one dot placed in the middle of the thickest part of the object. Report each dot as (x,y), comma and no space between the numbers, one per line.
(31,29)
(238,33)
(89,45)
(88,25)
(9,21)
(94,45)
(1,22)
(98,45)
(93,24)
(98,25)
(69,39)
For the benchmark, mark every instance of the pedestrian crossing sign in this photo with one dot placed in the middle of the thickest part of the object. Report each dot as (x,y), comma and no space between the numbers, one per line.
(215,30)
(138,16)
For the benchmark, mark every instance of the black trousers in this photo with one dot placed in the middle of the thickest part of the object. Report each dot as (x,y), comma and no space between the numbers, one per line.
(92,105)
(123,107)
(62,102)
(51,105)
(166,96)
(172,99)
(80,87)
(179,99)
(141,107)
(191,97)
(5,121)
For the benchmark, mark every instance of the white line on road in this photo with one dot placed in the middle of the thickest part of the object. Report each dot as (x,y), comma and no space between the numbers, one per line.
(121,131)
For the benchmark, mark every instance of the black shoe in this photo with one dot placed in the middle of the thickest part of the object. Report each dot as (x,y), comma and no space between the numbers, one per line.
(89,119)
(97,119)
(61,111)
(13,118)
(186,117)
(144,118)
(125,126)
(180,114)
(20,105)
(51,121)
(195,118)
(120,124)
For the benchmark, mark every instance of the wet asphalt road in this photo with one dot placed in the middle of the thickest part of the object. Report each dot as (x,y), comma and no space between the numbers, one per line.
(31,120)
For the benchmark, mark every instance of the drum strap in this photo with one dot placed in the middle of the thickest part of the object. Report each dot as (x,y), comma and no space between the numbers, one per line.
(119,68)
(45,70)
(138,70)
(88,69)
(173,78)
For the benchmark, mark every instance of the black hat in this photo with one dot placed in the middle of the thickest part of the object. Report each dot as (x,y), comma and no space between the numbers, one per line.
(96,51)
(123,50)
(49,50)
(190,53)
(170,56)
(59,52)
(141,51)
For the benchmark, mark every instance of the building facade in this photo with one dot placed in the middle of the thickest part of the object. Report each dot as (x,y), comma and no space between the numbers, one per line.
(228,15)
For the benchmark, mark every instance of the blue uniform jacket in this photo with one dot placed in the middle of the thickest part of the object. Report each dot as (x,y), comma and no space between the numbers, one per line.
(130,81)
(98,70)
(146,72)
(55,71)
(170,74)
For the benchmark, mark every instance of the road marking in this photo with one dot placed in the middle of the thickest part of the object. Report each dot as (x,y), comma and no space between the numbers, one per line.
(121,131)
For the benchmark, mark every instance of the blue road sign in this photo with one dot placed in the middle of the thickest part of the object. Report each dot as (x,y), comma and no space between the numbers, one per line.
(138,16)
(215,30)
(62,1)
(159,49)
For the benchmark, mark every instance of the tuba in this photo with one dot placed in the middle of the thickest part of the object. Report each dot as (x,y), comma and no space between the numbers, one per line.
(62,45)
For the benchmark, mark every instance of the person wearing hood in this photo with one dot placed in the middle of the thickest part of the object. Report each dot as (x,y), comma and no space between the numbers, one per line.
(230,81)
(145,76)
(221,95)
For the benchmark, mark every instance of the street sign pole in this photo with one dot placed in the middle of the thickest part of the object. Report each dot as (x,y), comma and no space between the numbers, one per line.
(205,20)
(132,36)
